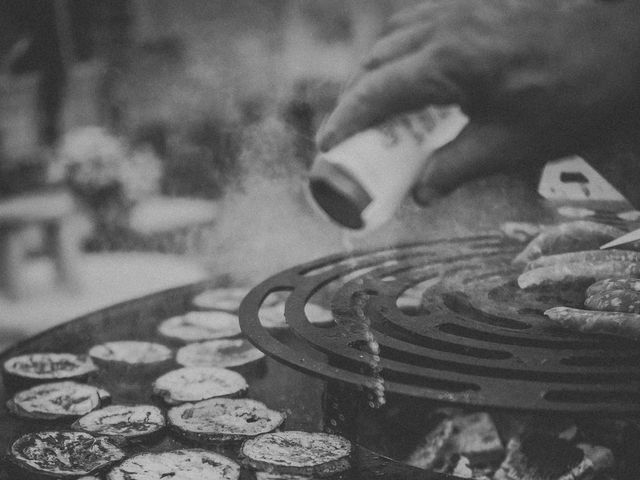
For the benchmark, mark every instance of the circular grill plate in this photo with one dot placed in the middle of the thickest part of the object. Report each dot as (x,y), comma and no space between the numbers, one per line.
(476,339)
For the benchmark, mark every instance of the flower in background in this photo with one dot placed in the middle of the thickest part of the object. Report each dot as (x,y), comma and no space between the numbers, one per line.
(98,166)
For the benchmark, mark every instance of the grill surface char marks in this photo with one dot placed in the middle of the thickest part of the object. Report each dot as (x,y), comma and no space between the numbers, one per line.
(473,341)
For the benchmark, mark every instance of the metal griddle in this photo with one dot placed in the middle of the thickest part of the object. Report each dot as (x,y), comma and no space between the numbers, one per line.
(477,340)
(277,385)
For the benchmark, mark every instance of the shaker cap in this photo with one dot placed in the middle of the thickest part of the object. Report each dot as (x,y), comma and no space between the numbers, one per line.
(338,193)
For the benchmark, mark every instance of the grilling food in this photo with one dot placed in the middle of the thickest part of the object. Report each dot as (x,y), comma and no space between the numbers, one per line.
(591,321)
(568,237)
(576,272)
(128,421)
(200,326)
(297,453)
(187,464)
(614,301)
(542,456)
(130,353)
(227,299)
(224,420)
(48,455)
(609,284)
(585,256)
(26,370)
(57,400)
(218,353)
(193,384)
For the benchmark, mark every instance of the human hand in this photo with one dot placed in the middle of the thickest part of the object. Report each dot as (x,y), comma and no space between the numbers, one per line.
(538,79)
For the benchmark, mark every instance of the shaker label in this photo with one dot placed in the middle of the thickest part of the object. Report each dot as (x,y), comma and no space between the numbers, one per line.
(417,125)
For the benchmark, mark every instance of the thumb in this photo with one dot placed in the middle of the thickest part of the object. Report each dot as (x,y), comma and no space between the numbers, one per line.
(480,150)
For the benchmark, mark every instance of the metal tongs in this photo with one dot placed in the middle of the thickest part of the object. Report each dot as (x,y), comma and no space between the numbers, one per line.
(625,239)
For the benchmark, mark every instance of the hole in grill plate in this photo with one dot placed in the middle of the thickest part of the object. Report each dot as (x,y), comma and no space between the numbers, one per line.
(613,396)
(459,303)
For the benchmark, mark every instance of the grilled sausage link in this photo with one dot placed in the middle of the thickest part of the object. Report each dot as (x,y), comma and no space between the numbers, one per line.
(609,284)
(588,321)
(615,301)
(568,237)
(576,272)
(585,256)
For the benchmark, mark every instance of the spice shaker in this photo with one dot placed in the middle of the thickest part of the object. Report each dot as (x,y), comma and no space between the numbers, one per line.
(361,182)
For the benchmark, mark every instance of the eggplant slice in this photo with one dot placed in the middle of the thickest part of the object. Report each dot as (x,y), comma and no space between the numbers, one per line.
(187,464)
(200,326)
(223,420)
(62,454)
(58,400)
(219,353)
(44,367)
(298,453)
(193,384)
(129,421)
(129,352)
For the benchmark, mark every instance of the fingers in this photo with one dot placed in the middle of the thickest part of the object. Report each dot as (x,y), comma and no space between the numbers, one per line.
(414,15)
(397,44)
(480,150)
(406,84)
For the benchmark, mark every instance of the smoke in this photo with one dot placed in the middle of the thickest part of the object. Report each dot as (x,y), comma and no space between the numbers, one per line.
(266,223)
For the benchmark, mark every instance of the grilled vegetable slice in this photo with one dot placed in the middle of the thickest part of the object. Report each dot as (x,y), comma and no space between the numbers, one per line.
(590,321)
(224,419)
(57,400)
(62,454)
(585,256)
(200,326)
(218,353)
(227,299)
(192,384)
(298,453)
(273,316)
(576,272)
(129,352)
(568,237)
(608,284)
(122,421)
(187,464)
(41,367)
(615,301)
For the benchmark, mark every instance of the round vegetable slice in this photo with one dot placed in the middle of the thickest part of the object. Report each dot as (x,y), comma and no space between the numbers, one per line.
(57,400)
(130,352)
(192,384)
(224,419)
(200,326)
(298,453)
(228,299)
(127,421)
(48,366)
(218,353)
(187,464)
(62,454)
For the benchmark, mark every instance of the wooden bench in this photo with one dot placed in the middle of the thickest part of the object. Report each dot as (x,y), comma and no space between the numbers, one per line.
(52,211)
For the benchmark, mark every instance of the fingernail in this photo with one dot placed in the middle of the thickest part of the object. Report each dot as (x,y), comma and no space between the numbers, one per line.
(425,196)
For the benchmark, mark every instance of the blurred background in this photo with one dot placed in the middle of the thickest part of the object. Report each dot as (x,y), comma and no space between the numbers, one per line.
(152,143)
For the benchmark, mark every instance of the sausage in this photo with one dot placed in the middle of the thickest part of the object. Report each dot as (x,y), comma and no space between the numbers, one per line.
(590,321)
(576,272)
(608,284)
(585,256)
(615,301)
(568,237)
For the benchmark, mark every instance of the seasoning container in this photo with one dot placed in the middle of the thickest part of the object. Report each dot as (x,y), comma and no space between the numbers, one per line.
(361,182)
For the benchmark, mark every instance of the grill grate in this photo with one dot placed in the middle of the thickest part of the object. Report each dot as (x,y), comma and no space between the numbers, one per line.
(476,339)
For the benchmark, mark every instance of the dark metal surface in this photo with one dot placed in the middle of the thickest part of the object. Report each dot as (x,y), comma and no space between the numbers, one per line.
(477,340)
(275,384)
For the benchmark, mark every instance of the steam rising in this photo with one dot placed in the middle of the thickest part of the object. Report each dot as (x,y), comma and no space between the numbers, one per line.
(266,223)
